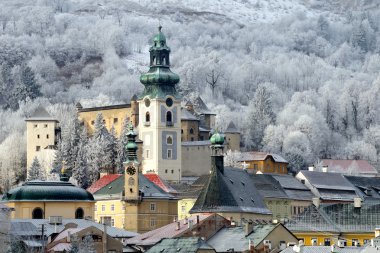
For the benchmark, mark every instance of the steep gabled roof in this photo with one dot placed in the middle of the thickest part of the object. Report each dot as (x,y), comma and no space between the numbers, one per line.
(115,188)
(201,108)
(40,114)
(186,115)
(230,191)
(368,188)
(232,129)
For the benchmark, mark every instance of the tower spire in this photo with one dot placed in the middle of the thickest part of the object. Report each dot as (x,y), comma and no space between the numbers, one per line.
(131,145)
(159,81)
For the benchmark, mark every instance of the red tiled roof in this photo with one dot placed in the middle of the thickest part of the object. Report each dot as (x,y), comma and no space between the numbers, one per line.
(349,166)
(168,231)
(105,180)
(154,178)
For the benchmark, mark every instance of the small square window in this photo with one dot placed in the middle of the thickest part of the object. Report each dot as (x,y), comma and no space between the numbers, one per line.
(183,209)
(166,171)
(172,171)
(38,148)
(169,154)
(38,136)
(92,122)
(112,222)
(35,125)
(45,126)
(115,120)
(152,207)
(123,207)
(112,207)
(103,208)
(47,136)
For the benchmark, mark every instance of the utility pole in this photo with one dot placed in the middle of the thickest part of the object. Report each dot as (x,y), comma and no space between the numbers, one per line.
(43,237)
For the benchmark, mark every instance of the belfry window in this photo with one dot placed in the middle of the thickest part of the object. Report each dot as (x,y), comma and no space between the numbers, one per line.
(79,213)
(169,117)
(147,117)
(169,140)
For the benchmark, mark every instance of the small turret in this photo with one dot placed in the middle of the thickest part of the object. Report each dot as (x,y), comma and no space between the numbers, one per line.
(217,141)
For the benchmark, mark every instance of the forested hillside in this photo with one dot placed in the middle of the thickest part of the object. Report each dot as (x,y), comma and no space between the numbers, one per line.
(298,77)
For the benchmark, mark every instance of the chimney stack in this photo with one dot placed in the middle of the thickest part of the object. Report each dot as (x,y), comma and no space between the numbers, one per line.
(248,227)
(178,225)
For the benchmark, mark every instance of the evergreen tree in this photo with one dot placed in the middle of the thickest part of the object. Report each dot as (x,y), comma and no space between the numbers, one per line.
(58,158)
(35,171)
(112,147)
(121,151)
(80,170)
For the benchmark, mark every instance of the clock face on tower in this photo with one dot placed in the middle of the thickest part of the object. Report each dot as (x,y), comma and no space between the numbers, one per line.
(131,170)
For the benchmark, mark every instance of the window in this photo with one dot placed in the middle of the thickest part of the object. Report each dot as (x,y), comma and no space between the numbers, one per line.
(365,241)
(112,207)
(115,120)
(192,138)
(183,209)
(95,238)
(201,138)
(152,222)
(169,117)
(35,125)
(181,131)
(38,148)
(37,213)
(355,242)
(169,140)
(314,241)
(147,153)
(112,222)
(103,208)
(92,122)
(107,220)
(172,171)
(38,136)
(45,126)
(147,117)
(169,154)
(153,207)
(47,136)
(166,171)
(79,213)
(327,242)
(123,207)
(191,131)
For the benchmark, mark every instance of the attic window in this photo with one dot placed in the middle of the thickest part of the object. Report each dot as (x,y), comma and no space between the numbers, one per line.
(252,200)
(241,199)
(242,183)
(232,182)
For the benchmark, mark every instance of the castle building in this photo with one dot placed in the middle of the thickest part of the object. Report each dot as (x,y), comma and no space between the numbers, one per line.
(130,200)
(42,136)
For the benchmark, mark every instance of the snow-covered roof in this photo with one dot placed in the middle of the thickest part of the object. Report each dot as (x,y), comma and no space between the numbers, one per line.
(40,114)
(231,128)
(261,156)
(186,115)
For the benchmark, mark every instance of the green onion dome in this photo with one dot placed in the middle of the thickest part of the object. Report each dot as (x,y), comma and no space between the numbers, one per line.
(217,139)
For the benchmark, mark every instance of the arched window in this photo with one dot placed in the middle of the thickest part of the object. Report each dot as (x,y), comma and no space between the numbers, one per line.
(147,117)
(131,181)
(37,213)
(169,140)
(169,116)
(191,131)
(163,60)
(79,213)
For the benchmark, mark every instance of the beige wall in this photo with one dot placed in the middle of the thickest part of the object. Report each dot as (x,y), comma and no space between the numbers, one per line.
(23,210)
(39,134)
(186,125)
(276,236)
(196,160)
(233,141)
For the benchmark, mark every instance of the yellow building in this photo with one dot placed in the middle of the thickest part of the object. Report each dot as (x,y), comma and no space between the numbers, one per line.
(152,209)
(264,162)
(330,223)
(42,199)
(184,207)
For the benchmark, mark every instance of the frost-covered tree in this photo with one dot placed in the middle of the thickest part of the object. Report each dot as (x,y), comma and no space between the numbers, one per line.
(80,171)
(121,150)
(260,115)
(35,171)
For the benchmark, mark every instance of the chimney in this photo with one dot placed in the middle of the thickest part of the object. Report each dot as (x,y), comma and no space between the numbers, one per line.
(316,202)
(178,225)
(311,168)
(248,228)
(68,236)
(377,232)
(324,168)
(357,202)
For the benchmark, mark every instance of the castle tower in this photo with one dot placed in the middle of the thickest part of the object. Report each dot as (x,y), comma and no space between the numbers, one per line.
(160,114)
(233,137)
(42,134)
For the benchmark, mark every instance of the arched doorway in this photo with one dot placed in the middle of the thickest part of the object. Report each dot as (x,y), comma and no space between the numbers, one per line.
(79,213)
(37,213)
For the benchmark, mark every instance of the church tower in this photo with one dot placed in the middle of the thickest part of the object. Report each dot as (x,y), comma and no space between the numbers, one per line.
(131,184)
(160,114)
